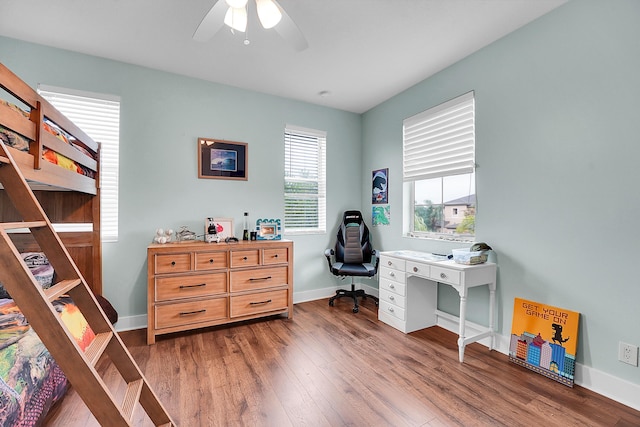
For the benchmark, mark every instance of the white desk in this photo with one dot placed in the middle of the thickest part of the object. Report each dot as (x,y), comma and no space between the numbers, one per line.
(409,291)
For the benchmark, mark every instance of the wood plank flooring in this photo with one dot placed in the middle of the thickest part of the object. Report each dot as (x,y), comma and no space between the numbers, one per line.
(330,367)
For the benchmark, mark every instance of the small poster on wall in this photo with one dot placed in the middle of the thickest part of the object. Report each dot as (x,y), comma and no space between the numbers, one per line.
(379,181)
(544,339)
(380,215)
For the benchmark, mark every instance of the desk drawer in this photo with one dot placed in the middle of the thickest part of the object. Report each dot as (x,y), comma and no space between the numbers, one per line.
(392,310)
(417,269)
(392,286)
(173,263)
(393,298)
(169,288)
(445,275)
(392,274)
(188,313)
(394,263)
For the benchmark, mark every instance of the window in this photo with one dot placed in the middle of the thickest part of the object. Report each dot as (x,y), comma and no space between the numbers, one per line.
(439,170)
(304,180)
(98,115)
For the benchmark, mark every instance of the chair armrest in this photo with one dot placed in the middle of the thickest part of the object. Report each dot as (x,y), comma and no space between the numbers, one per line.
(328,254)
(375,254)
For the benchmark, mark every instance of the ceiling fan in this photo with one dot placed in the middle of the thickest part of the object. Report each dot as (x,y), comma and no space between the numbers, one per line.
(233,13)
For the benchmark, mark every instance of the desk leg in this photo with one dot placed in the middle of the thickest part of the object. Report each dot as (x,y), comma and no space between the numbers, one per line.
(463,321)
(492,309)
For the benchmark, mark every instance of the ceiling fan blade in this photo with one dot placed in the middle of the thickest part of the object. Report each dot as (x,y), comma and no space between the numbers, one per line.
(290,31)
(212,21)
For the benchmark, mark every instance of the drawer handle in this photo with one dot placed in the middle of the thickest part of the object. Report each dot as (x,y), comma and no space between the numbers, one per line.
(391,297)
(275,256)
(173,263)
(391,286)
(389,262)
(391,309)
(443,276)
(260,278)
(211,261)
(260,302)
(392,274)
(415,269)
(192,286)
(190,313)
(244,258)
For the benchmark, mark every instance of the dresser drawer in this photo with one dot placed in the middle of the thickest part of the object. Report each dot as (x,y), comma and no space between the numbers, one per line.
(393,298)
(211,260)
(169,288)
(417,269)
(392,310)
(396,275)
(261,302)
(249,258)
(440,274)
(244,280)
(275,256)
(392,286)
(173,263)
(188,313)
(395,263)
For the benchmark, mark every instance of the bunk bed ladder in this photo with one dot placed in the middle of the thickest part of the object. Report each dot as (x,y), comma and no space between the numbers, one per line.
(35,303)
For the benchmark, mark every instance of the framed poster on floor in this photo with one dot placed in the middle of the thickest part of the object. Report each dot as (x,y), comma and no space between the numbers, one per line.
(544,339)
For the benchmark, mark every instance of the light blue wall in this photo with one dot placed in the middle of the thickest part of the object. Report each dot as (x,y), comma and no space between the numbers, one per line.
(558,125)
(162,115)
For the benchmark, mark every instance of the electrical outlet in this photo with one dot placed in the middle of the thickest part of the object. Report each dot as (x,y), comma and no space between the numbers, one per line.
(628,353)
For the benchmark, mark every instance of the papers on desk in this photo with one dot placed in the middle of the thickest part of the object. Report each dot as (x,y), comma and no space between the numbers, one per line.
(419,255)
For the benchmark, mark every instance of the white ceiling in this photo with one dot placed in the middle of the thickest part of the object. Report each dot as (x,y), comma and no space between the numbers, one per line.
(362,52)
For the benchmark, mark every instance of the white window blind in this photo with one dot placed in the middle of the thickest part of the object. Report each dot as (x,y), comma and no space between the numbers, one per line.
(440,141)
(98,115)
(304,180)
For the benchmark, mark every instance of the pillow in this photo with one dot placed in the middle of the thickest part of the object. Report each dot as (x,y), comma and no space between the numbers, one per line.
(40,268)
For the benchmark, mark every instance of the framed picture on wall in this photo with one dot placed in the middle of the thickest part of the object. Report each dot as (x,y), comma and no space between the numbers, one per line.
(379,185)
(220,159)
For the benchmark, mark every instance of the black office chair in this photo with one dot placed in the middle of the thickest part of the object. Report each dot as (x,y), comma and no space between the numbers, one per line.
(353,256)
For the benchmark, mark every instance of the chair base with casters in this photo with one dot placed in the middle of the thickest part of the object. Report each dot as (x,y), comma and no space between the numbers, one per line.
(354,294)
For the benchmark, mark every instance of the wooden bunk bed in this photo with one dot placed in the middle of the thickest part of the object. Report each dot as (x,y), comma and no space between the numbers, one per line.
(49,169)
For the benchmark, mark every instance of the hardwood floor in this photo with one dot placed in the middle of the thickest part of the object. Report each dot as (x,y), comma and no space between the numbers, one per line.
(330,367)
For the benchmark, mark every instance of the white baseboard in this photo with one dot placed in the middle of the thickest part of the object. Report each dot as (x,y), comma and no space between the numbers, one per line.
(597,381)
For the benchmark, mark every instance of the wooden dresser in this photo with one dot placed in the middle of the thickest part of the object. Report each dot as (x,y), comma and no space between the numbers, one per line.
(196,284)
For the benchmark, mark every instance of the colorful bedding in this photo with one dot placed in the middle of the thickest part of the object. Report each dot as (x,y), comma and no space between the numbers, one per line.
(19,142)
(30,380)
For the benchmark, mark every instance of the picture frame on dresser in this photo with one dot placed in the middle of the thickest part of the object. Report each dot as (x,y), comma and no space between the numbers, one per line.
(221,159)
(224,227)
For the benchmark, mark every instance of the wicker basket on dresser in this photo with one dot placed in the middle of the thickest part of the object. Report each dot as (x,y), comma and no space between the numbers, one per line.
(196,284)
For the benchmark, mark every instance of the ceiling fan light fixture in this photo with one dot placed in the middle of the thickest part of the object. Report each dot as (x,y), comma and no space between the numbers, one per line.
(268,13)
(236,18)
(237,4)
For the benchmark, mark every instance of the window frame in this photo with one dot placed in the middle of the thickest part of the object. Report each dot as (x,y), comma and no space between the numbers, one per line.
(66,101)
(321,196)
(430,152)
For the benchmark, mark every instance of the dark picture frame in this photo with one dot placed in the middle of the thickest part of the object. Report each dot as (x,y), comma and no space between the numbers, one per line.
(221,159)
(380,186)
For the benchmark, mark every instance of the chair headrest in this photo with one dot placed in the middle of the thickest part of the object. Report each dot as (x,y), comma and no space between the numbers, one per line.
(351,217)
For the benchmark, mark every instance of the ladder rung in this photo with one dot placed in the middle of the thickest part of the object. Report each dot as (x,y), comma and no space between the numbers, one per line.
(131,397)
(61,288)
(97,347)
(4,159)
(22,224)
